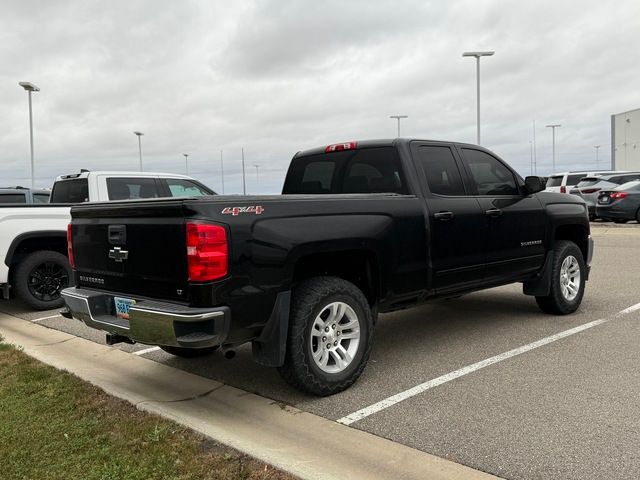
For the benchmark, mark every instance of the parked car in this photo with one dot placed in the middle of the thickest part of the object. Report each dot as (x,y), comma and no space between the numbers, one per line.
(33,238)
(23,195)
(565,181)
(589,187)
(361,228)
(620,204)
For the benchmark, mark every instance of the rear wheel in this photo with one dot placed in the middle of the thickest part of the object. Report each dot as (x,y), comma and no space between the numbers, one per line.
(567,280)
(40,278)
(188,352)
(330,336)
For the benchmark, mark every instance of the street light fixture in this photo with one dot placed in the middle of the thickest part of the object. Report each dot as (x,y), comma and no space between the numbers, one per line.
(30,87)
(186,163)
(477,56)
(398,117)
(553,143)
(139,134)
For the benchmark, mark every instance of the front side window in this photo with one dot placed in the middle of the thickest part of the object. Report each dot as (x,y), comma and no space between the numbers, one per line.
(120,188)
(440,167)
(185,188)
(40,198)
(491,177)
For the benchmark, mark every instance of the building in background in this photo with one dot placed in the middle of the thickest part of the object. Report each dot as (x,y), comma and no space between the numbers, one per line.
(625,140)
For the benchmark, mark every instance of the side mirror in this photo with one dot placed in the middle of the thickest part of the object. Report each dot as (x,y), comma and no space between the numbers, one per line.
(534,184)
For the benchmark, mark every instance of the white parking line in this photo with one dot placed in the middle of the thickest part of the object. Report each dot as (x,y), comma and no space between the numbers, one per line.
(423,387)
(146,350)
(45,318)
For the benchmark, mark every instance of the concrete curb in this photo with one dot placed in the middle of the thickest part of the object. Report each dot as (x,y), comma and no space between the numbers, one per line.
(301,443)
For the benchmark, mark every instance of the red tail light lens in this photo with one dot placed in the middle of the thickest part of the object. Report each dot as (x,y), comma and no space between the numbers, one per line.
(339,147)
(590,190)
(207,252)
(619,195)
(563,189)
(72,260)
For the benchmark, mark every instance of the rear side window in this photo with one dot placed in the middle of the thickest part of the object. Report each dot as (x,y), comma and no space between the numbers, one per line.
(574,179)
(12,198)
(491,177)
(440,168)
(185,188)
(70,191)
(120,188)
(40,198)
(367,170)
(587,182)
(554,181)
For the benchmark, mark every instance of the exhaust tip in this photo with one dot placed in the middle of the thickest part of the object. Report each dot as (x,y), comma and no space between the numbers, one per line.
(229,354)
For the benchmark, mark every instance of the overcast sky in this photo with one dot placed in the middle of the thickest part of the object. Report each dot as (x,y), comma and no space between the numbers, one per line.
(279,76)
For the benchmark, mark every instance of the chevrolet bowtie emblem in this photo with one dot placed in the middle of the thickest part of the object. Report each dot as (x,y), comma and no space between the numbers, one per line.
(118,254)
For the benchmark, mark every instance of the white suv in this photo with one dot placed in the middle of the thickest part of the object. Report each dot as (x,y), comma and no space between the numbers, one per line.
(563,182)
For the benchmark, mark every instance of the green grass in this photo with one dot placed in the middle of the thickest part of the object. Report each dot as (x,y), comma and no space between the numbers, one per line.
(55,426)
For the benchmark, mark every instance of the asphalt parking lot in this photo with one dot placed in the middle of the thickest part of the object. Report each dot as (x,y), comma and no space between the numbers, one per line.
(563,408)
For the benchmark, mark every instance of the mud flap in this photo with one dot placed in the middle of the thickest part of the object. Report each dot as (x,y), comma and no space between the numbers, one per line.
(540,285)
(270,347)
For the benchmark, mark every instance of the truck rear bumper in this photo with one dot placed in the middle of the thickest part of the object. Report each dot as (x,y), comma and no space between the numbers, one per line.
(150,321)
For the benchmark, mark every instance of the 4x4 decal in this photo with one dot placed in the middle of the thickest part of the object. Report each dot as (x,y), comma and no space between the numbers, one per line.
(235,211)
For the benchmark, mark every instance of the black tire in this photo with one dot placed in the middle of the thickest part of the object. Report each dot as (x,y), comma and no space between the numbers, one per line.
(556,302)
(40,277)
(188,352)
(311,299)
(620,220)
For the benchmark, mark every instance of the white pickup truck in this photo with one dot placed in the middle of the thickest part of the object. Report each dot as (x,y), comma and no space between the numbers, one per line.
(33,238)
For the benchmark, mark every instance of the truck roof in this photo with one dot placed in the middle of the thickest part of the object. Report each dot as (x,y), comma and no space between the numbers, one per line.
(355,144)
(119,173)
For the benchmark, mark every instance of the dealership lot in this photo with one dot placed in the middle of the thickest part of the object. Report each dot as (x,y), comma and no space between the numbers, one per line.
(565,409)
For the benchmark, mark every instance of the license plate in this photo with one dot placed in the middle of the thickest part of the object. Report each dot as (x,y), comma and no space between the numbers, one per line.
(604,199)
(122,306)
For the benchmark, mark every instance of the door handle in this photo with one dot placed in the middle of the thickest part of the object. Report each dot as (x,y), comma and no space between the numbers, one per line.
(443,216)
(493,212)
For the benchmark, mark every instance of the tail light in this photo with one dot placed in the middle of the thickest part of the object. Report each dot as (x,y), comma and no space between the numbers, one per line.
(619,195)
(207,252)
(563,189)
(339,147)
(590,190)
(72,260)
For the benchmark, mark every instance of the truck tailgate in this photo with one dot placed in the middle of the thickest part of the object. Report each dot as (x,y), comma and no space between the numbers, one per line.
(137,249)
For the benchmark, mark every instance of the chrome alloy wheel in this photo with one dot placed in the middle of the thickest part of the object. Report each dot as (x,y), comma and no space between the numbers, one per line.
(335,336)
(570,278)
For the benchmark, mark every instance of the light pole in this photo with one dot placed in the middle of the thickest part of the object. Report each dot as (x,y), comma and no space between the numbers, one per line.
(222,171)
(244,182)
(186,163)
(257,176)
(477,56)
(139,134)
(398,117)
(553,143)
(597,147)
(30,87)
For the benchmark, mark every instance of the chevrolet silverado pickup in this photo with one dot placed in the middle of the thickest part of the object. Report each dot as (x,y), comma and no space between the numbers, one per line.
(361,228)
(33,237)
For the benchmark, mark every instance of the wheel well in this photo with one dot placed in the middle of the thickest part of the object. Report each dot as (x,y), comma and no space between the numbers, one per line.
(575,233)
(34,244)
(356,266)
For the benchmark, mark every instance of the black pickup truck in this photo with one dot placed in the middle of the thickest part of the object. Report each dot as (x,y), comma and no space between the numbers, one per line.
(361,228)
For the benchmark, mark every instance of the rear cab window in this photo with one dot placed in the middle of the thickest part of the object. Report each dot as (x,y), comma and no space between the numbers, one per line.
(555,181)
(74,190)
(574,179)
(13,198)
(365,170)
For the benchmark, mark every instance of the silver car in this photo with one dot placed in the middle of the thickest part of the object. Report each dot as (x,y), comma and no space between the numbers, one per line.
(589,187)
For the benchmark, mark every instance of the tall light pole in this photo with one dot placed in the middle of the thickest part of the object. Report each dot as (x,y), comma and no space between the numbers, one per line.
(597,147)
(257,175)
(398,117)
(244,180)
(30,87)
(139,134)
(186,162)
(553,143)
(477,56)
(531,149)
(222,171)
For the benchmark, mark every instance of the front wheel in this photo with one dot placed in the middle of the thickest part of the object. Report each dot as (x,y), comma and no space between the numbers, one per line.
(330,336)
(568,275)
